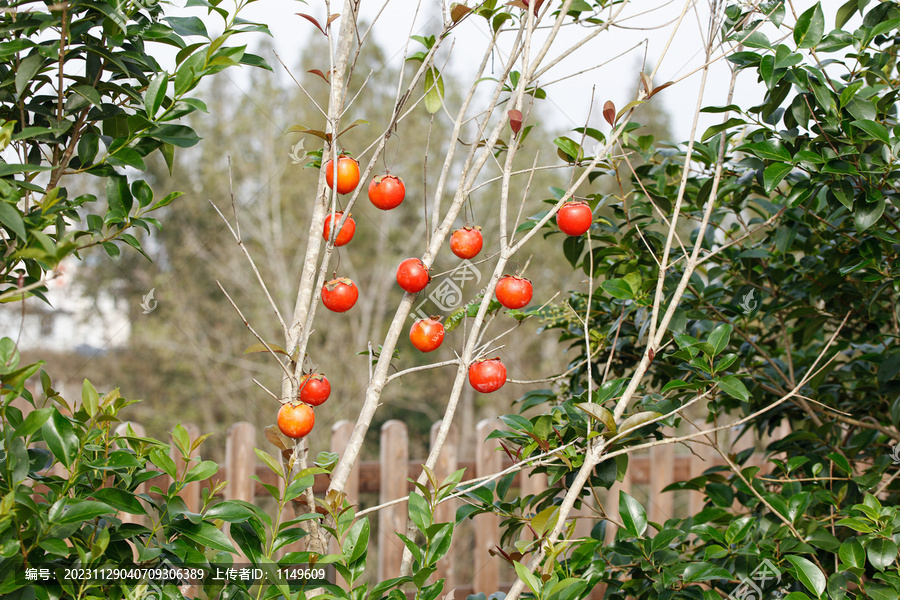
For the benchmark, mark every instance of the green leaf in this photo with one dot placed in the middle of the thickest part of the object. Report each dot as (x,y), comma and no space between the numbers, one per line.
(810,28)
(28,68)
(34,421)
(882,553)
(155,94)
(888,368)
(79,511)
(873,129)
(857,524)
(60,437)
(571,150)
(120,500)
(867,214)
(177,135)
(545,520)
(187,26)
(205,534)
(618,288)
(54,546)
(808,574)
(768,150)
(419,512)
(852,553)
(528,579)
(841,462)
(90,399)
(204,470)
(637,420)
(357,540)
(89,94)
(230,511)
(163,461)
(87,147)
(732,122)
(734,387)
(847,10)
(720,336)
(12,219)
(705,571)
(270,461)
(598,412)
(434,91)
(837,587)
(167,200)
(633,516)
(774,174)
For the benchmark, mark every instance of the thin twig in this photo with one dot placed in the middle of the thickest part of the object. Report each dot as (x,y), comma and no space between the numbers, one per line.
(253,331)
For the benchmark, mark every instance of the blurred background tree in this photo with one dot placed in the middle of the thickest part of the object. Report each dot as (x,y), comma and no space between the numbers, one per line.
(186,358)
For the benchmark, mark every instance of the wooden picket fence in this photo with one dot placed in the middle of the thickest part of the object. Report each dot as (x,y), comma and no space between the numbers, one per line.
(469,567)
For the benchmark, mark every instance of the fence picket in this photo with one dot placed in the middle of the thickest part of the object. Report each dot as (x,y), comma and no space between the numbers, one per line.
(487,526)
(394,471)
(446,512)
(662,465)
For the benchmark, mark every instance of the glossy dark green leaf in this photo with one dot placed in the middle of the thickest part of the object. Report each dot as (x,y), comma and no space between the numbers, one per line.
(720,337)
(28,67)
(121,500)
(775,174)
(734,387)
(873,130)
(155,94)
(33,421)
(60,436)
(867,214)
(852,553)
(11,218)
(810,27)
(618,288)
(882,553)
(808,574)
(206,534)
(704,571)
(633,515)
(78,511)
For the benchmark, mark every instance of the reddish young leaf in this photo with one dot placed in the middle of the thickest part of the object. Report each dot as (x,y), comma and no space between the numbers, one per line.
(320,74)
(609,112)
(660,88)
(312,20)
(517,4)
(331,18)
(515,120)
(458,11)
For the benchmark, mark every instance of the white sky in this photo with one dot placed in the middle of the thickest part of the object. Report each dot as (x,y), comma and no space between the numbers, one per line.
(568,101)
(649,27)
